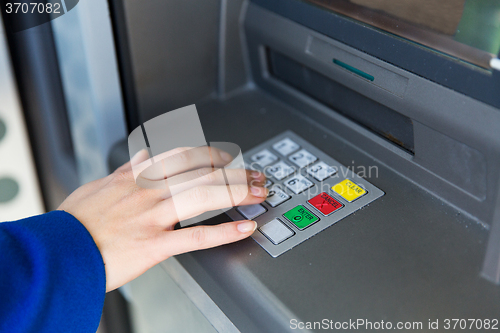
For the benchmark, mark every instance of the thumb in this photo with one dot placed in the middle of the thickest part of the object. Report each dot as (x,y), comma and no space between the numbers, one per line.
(204,237)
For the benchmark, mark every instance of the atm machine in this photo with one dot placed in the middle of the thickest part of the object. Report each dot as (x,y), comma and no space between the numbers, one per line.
(402,100)
(384,121)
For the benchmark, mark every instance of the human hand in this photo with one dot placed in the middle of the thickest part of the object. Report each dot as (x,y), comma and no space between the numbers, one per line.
(133,227)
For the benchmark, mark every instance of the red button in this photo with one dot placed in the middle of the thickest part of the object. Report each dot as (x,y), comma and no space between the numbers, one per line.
(325,203)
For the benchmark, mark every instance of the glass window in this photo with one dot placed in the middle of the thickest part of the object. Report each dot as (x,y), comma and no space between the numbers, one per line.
(466,29)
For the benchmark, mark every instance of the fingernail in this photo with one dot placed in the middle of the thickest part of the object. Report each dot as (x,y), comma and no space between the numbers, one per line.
(258,191)
(247,226)
(226,156)
(255,174)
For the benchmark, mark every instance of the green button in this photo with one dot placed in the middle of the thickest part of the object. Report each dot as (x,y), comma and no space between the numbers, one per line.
(301,217)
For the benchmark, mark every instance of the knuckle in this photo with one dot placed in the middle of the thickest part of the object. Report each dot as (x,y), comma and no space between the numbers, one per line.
(122,175)
(139,194)
(200,194)
(152,218)
(198,236)
(180,158)
(210,177)
(202,172)
(239,192)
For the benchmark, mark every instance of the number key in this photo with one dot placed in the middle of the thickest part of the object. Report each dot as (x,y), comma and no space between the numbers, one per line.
(298,184)
(264,158)
(321,171)
(302,158)
(280,170)
(285,146)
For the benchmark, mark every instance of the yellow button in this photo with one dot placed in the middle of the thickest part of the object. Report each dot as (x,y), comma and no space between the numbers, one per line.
(348,190)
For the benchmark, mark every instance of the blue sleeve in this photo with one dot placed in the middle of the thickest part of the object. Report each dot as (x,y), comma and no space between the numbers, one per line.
(52,276)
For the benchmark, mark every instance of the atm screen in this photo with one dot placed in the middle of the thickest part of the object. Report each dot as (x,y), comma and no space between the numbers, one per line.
(464,29)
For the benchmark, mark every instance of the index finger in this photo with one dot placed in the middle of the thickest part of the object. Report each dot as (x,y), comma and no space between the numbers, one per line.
(203,237)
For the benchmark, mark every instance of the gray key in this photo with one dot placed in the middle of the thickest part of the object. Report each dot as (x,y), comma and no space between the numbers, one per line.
(252,211)
(276,231)
(285,146)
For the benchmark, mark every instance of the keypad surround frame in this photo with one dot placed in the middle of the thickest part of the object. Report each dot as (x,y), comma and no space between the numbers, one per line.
(373,193)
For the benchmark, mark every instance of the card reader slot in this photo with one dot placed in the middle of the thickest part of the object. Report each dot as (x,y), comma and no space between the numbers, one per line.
(389,124)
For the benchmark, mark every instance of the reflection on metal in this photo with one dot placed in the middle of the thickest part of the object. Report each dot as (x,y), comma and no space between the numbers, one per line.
(495,64)
(84,44)
(198,296)
(491,264)
(20,194)
(424,36)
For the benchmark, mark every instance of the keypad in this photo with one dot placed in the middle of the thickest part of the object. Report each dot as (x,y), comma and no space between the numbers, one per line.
(308,192)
